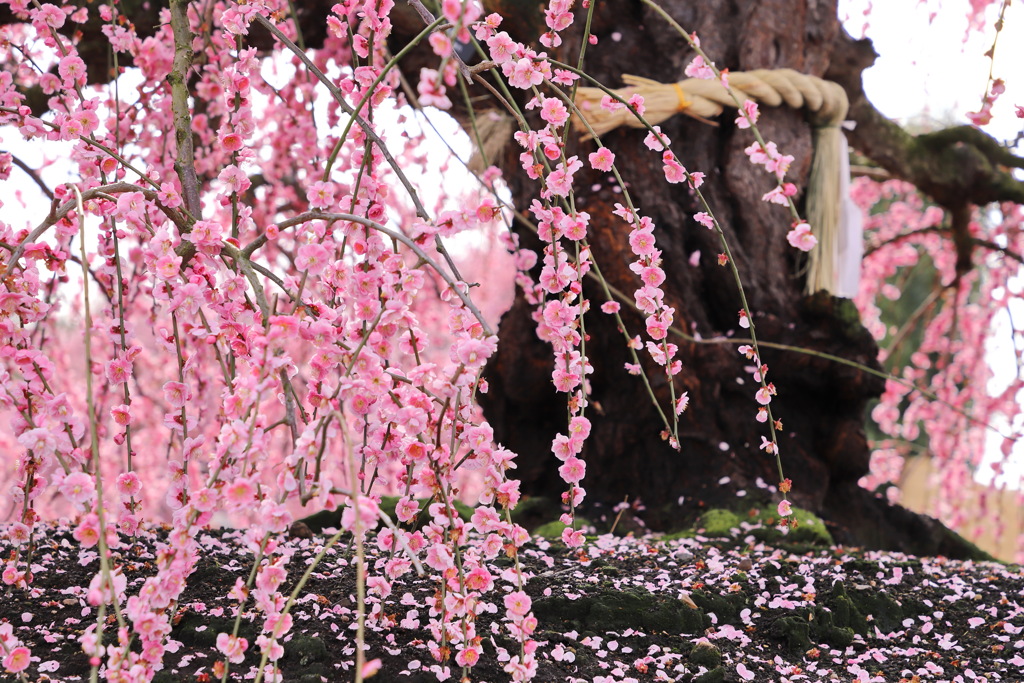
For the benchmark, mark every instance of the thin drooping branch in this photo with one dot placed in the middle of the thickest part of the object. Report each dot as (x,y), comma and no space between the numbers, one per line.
(34,175)
(453,281)
(103,191)
(339,97)
(992,246)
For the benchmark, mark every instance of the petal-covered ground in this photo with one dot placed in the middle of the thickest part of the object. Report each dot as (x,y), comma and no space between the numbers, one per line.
(619,609)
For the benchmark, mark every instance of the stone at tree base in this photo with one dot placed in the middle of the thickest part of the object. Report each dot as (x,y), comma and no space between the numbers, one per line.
(299,529)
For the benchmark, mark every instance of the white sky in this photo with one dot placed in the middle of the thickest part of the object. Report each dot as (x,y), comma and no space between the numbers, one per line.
(926,69)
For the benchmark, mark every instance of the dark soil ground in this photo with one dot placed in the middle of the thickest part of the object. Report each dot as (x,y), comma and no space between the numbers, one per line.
(621,609)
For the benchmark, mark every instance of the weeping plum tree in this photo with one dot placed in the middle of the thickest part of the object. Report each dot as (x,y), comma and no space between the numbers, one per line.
(820,403)
(682,410)
(270,322)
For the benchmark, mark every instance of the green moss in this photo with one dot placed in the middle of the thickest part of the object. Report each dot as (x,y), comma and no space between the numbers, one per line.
(968,550)
(718,523)
(850,609)
(871,567)
(726,607)
(806,628)
(619,610)
(706,654)
(824,630)
(810,530)
(200,630)
(305,650)
(844,612)
(716,675)
(810,533)
(795,630)
(553,530)
(842,311)
(887,614)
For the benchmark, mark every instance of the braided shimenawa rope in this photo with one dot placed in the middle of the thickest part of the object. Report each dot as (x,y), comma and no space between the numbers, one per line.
(826,101)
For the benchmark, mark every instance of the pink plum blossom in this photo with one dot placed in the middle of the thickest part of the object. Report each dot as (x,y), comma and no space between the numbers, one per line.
(602,159)
(801,238)
(128,484)
(78,487)
(698,68)
(518,603)
(748,114)
(232,647)
(573,470)
(17,659)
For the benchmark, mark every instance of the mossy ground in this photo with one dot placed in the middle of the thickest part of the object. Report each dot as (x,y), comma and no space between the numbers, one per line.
(690,609)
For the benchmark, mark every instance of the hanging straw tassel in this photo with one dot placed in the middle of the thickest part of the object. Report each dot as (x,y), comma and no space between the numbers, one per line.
(824,203)
(493,131)
(703,99)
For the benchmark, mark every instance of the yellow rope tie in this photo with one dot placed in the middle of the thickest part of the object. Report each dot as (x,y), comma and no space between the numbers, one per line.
(684,103)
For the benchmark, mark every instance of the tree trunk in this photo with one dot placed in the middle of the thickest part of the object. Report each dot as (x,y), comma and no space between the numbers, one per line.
(822,403)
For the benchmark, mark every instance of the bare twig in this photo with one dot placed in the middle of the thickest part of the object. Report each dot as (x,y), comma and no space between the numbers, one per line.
(873,172)
(943,230)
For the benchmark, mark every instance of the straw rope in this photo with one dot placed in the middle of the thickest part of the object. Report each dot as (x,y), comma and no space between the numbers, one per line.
(703,99)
